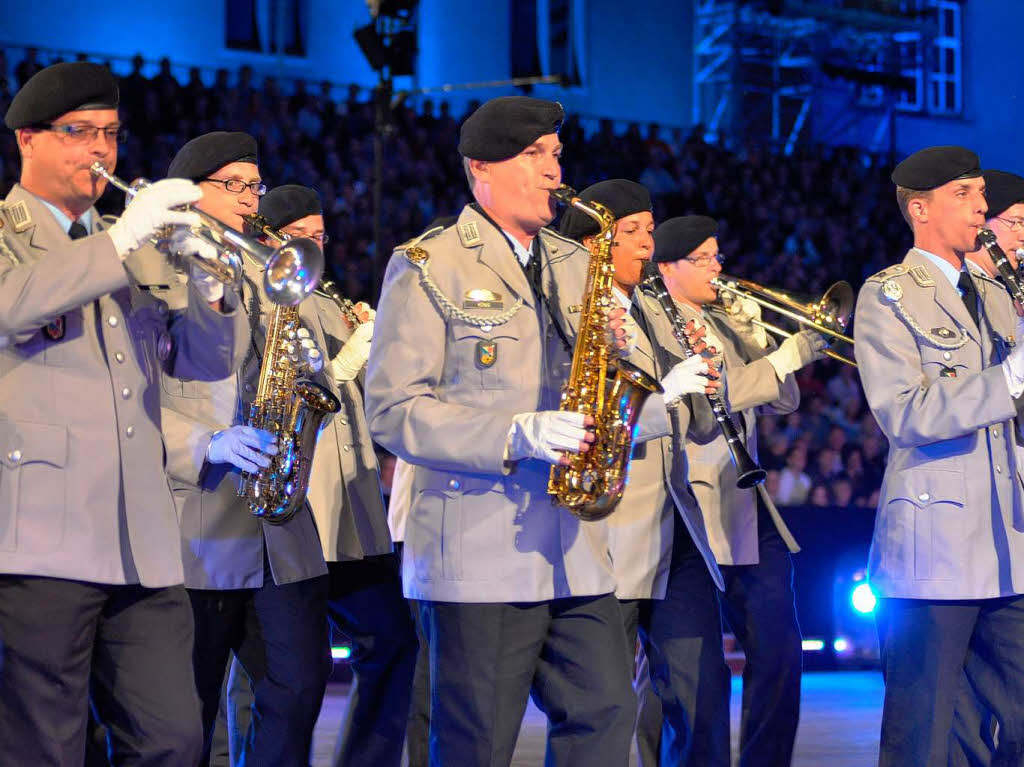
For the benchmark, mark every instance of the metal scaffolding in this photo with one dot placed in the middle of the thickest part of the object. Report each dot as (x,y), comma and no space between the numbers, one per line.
(761,66)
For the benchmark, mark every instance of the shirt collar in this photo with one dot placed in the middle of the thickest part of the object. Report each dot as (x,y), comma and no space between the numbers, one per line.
(623,299)
(951,273)
(65,223)
(523,254)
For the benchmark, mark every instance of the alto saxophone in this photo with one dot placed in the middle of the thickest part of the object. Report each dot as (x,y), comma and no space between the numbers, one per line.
(290,408)
(600,385)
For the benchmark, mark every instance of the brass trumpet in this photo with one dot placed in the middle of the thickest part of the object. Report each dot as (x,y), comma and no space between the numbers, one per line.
(292,270)
(829,315)
(261,225)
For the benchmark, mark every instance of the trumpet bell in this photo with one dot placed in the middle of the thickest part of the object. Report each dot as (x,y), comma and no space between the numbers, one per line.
(293,271)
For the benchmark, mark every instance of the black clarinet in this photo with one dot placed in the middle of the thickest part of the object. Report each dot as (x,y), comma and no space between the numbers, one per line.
(747,471)
(988,238)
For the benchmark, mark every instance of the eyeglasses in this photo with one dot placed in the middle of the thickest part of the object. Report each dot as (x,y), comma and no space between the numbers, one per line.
(86,134)
(237,186)
(323,239)
(1014,224)
(703,261)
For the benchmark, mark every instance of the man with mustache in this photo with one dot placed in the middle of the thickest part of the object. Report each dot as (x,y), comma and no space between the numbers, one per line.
(943,370)
(91,591)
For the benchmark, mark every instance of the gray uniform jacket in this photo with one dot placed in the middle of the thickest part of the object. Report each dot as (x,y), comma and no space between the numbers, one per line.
(83,492)
(442,389)
(641,528)
(753,388)
(344,487)
(949,523)
(222,544)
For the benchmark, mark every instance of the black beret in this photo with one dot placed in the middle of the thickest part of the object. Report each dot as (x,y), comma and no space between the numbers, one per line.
(1002,190)
(59,89)
(679,237)
(504,127)
(210,152)
(623,198)
(937,165)
(286,204)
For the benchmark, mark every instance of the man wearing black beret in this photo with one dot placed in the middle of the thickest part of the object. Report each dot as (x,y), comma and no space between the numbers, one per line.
(365,602)
(473,341)
(257,589)
(1004,193)
(91,594)
(748,536)
(944,381)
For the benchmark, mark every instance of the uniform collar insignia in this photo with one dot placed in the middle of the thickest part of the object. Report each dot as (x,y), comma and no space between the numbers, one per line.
(469,234)
(21,219)
(921,277)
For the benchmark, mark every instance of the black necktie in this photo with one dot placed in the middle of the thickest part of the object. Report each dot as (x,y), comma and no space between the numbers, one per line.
(970,296)
(77,231)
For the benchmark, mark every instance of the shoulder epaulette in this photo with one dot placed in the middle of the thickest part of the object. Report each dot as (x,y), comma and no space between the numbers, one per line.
(895,270)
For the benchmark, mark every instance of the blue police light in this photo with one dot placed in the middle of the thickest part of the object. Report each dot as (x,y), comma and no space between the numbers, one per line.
(863,599)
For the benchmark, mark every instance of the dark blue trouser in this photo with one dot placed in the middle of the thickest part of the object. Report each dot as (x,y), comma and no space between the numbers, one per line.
(486,658)
(927,646)
(279,635)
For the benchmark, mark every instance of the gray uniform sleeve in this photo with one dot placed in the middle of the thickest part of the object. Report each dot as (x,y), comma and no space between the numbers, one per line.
(404,409)
(32,295)
(911,410)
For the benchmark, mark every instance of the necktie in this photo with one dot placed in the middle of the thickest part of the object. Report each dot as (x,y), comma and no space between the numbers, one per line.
(76,231)
(970,296)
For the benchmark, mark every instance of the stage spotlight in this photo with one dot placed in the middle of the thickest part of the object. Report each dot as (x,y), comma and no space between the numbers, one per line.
(341,653)
(840,645)
(813,645)
(863,599)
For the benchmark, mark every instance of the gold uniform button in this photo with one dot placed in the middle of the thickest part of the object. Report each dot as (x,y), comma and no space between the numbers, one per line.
(129,431)
(454,484)
(14,456)
(119,356)
(995,431)
(947,356)
(346,448)
(112,321)
(126,393)
(999,469)
(923,497)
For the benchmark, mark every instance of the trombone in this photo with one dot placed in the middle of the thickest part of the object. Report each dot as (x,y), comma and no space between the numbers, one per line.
(292,270)
(829,315)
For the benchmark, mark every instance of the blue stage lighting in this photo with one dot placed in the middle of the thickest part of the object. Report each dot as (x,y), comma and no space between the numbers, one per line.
(863,599)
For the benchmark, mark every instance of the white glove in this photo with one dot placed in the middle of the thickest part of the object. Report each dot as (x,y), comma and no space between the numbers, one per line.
(688,377)
(151,208)
(184,243)
(306,353)
(353,355)
(545,435)
(742,313)
(796,351)
(629,330)
(242,446)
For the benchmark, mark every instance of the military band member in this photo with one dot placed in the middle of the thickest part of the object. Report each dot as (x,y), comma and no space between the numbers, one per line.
(365,602)
(973,742)
(749,538)
(257,589)
(473,341)
(658,539)
(943,380)
(90,591)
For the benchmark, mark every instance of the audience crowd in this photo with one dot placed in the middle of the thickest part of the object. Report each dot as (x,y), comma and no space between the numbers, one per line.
(795,223)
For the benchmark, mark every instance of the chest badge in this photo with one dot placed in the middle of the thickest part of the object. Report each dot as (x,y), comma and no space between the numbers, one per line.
(56,330)
(947,373)
(480,298)
(486,353)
